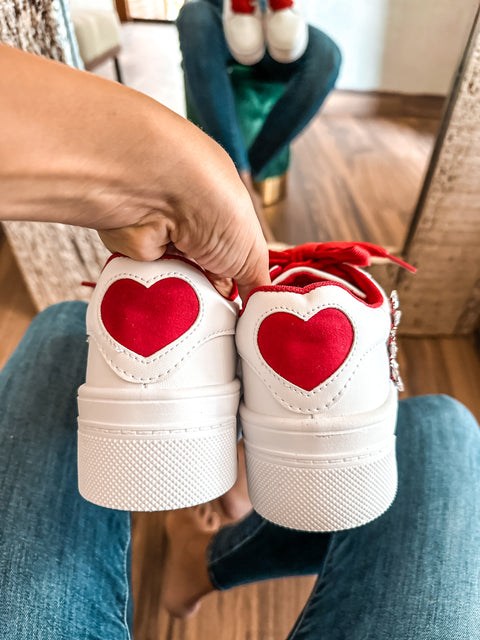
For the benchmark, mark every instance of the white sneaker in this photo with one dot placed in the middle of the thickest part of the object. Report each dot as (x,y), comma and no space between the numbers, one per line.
(320,389)
(286,31)
(157,413)
(243,28)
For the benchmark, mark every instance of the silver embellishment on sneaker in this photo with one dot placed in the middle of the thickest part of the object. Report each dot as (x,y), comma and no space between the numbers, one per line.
(392,341)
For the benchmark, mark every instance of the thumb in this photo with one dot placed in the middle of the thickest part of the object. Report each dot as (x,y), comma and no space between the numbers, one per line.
(254,275)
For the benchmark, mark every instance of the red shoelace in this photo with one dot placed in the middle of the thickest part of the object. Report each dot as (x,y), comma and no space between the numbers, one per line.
(278,5)
(243,6)
(314,254)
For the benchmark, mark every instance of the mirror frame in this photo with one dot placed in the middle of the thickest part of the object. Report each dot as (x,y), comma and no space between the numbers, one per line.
(443,240)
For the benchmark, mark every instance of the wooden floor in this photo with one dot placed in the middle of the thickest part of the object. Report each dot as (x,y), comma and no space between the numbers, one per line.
(351,178)
(16,307)
(354,178)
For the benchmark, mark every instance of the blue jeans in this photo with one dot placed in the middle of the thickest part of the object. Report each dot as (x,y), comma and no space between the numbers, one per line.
(206,60)
(65,563)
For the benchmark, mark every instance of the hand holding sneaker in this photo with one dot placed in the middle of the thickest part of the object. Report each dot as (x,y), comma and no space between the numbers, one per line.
(97,154)
(160,182)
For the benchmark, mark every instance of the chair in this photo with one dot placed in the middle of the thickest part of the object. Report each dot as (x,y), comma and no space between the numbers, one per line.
(97,28)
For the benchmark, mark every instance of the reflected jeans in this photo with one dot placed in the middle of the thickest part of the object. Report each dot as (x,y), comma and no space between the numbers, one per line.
(206,60)
(412,574)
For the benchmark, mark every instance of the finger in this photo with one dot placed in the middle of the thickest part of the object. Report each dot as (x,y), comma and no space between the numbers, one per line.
(133,245)
(223,285)
(255,271)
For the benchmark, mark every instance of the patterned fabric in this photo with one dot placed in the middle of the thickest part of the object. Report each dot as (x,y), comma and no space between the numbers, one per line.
(43,27)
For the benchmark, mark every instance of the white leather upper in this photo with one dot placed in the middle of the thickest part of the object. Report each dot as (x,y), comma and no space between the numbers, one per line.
(284,28)
(244,33)
(204,355)
(362,382)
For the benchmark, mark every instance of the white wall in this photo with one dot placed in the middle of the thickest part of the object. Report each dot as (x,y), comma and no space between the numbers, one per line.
(410,46)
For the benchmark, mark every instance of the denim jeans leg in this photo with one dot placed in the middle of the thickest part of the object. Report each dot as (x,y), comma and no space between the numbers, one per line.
(206,59)
(308,81)
(411,574)
(64,563)
(255,549)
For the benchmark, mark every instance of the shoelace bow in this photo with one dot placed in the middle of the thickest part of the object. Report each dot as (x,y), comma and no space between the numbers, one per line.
(359,254)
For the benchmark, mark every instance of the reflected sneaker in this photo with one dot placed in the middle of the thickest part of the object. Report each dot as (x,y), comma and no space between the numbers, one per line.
(157,413)
(286,31)
(317,349)
(243,28)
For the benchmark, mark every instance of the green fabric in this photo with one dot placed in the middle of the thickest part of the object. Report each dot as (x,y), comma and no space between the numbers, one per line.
(254,100)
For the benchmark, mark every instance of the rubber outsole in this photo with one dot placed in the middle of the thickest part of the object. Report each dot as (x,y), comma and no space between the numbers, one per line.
(147,473)
(182,454)
(322,498)
(322,474)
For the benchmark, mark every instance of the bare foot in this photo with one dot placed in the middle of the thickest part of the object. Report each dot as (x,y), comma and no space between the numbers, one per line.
(189,532)
(186,580)
(235,503)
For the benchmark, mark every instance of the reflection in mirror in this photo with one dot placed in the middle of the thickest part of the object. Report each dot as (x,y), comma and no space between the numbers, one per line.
(356,170)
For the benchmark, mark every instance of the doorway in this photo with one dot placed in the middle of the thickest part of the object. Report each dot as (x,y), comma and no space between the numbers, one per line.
(154,10)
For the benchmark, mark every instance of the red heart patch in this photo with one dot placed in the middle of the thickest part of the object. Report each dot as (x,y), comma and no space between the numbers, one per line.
(305,352)
(147,319)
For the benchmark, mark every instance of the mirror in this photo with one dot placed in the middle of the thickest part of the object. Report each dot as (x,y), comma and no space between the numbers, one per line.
(357,169)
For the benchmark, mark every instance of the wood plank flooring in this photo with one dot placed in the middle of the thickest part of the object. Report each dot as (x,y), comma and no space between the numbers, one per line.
(354,178)
(261,611)
(16,307)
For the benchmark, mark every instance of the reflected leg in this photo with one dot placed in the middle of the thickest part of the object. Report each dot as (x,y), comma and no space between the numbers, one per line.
(308,82)
(206,58)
